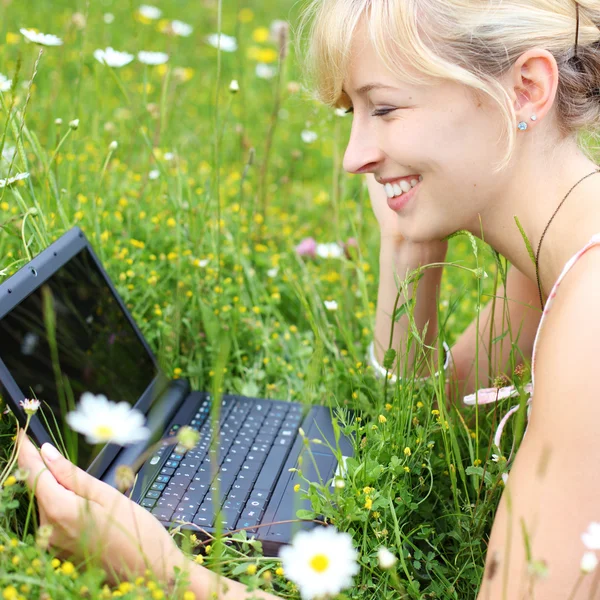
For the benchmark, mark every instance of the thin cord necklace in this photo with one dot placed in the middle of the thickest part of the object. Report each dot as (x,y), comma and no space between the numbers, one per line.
(537,254)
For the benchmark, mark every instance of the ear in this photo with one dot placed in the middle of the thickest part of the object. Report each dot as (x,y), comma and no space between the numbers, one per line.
(533,84)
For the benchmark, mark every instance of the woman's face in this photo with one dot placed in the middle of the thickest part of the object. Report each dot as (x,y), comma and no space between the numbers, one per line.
(440,134)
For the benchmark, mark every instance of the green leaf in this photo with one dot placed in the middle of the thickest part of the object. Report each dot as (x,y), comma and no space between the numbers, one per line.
(389,358)
(489,480)
(526,240)
(305,514)
(401,311)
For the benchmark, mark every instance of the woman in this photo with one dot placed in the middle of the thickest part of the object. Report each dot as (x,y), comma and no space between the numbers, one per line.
(474,107)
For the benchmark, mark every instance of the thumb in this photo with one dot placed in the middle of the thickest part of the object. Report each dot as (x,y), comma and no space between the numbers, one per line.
(73,478)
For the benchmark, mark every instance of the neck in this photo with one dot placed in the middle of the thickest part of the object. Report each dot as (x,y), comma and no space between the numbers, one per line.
(535,190)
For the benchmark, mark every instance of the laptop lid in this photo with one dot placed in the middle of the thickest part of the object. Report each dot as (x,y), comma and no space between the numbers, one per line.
(99,347)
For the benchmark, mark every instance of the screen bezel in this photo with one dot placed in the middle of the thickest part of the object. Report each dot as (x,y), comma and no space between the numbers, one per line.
(28,279)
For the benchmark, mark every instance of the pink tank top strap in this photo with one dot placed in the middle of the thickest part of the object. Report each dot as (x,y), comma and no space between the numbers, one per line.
(594,241)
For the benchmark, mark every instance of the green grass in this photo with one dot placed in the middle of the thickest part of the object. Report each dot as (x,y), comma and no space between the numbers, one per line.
(204,255)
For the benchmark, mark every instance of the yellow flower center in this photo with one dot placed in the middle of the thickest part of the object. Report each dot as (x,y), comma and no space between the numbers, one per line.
(319,563)
(104,432)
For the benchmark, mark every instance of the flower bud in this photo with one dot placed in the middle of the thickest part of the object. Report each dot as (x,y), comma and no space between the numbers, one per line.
(74,124)
(385,559)
(589,562)
(234,86)
(124,477)
(113,145)
(58,121)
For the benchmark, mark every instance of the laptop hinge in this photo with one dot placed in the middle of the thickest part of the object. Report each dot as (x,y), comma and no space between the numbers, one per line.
(161,413)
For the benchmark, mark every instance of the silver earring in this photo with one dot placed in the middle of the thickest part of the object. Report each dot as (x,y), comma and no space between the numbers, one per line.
(522,126)
(534,117)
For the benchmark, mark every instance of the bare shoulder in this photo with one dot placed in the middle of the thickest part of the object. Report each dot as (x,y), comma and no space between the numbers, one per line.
(568,352)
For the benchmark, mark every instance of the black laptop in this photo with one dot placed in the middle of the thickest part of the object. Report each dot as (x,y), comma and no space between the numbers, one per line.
(237,476)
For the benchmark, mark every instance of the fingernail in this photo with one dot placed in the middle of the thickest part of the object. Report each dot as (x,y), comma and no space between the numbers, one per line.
(49,452)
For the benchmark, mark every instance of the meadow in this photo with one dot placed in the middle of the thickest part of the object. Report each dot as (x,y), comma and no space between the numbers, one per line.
(196,193)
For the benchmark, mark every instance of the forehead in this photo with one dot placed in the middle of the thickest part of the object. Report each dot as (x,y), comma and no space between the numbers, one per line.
(371,65)
(365,65)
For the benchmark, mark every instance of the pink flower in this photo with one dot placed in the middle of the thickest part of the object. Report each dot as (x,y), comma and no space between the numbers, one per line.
(350,243)
(307,247)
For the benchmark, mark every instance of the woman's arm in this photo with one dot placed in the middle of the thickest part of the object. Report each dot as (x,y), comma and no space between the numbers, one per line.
(206,584)
(553,490)
(520,311)
(96,523)
(398,257)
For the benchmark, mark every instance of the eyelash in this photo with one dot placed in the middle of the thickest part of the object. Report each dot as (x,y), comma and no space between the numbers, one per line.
(380,112)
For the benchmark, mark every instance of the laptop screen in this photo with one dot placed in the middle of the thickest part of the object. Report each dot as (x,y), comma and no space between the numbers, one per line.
(97,348)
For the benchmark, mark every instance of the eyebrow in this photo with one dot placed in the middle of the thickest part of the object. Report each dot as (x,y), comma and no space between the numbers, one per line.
(365,89)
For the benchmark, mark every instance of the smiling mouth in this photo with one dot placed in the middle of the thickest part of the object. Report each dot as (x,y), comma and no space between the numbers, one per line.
(401,186)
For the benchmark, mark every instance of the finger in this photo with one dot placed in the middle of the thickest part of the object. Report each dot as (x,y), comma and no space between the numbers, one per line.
(39,479)
(75,479)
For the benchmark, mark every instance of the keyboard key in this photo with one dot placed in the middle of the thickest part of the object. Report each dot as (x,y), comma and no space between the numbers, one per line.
(271,468)
(203,521)
(148,502)
(158,486)
(162,513)
(228,518)
(260,494)
(163,478)
(153,494)
(256,504)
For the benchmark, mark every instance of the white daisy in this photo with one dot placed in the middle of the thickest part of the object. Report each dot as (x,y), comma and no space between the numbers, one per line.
(180,28)
(150,12)
(11,180)
(222,41)
(112,57)
(30,406)
(264,71)
(154,174)
(201,262)
(308,137)
(321,562)
(102,421)
(153,58)
(331,305)
(43,39)
(5,83)
(332,250)
(109,18)
(591,538)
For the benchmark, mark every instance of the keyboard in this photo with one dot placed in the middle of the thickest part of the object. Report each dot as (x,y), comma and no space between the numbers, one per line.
(231,482)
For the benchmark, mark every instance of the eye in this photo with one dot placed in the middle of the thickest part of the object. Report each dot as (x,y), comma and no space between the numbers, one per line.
(381,112)
(350,110)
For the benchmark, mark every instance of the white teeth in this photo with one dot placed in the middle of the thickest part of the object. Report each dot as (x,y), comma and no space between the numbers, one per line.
(393,190)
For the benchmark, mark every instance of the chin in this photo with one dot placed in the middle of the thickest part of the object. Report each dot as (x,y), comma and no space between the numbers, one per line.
(426,233)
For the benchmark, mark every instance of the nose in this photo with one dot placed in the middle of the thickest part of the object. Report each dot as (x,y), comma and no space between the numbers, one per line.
(363,154)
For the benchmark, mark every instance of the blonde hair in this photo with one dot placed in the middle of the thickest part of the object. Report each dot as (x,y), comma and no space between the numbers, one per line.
(466,41)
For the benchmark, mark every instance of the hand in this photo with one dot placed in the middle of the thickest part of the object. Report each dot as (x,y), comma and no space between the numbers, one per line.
(92,520)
